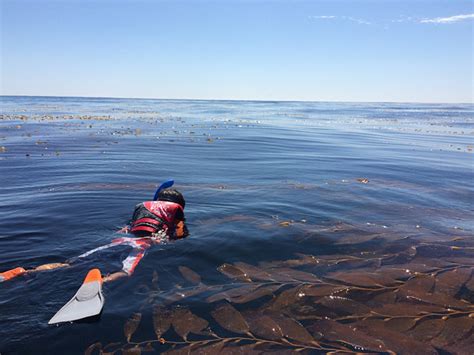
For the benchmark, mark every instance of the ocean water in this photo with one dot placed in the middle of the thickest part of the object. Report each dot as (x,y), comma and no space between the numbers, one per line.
(265,183)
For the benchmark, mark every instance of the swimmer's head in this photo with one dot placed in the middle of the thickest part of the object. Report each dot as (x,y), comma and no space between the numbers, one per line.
(172,195)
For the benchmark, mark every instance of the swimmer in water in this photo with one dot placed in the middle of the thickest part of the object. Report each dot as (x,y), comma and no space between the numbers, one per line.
(152,223)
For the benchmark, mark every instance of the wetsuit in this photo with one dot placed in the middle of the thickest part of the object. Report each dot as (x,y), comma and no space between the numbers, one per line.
(152,222)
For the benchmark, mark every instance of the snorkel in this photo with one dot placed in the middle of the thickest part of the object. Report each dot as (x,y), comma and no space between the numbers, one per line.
(163,186)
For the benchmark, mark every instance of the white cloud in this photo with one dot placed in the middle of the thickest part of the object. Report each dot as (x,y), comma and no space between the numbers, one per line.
(401,19)
(451,19)
(322,17)
(344,18)
(358,20)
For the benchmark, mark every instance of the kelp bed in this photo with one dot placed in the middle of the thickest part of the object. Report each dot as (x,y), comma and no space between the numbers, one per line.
(416,299)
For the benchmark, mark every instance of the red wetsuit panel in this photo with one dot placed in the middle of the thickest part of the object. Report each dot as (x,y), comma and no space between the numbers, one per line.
(151,216)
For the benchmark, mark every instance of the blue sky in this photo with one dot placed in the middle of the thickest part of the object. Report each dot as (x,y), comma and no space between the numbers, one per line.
(334,50)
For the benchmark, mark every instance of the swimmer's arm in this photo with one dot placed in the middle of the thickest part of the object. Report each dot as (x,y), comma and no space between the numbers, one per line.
(115,276)
(108,278)
(9,274)
(48,267)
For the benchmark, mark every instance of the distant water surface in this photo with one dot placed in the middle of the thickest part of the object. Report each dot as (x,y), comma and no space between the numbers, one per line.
(264,182)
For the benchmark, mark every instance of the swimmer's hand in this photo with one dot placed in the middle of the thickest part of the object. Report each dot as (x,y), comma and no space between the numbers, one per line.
(159,237)
(124,230)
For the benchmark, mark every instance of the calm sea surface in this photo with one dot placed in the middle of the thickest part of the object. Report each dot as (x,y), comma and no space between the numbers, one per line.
(264,182)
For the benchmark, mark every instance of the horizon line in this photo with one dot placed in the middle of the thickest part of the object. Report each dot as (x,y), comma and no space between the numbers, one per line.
(247,100)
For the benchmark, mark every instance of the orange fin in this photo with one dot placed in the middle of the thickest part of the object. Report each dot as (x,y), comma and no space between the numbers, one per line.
(10,274)
(87,302)
(93,275)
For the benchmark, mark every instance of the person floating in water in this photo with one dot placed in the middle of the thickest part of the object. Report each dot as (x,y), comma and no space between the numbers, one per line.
(152,223)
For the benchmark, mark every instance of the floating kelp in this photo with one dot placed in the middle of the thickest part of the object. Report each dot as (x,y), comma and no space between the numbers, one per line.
(185,322)
(263,326)
(451,282)
(90,350)
(293,330)
(396,342)
(161,320)
(231,319)
(356,279)
(347,335)
(255,273)
(175,296)
(234,273)
(233,293)
(290,275)
(380,302)
(131,325)
(190,275)
(262,291)
(426,330)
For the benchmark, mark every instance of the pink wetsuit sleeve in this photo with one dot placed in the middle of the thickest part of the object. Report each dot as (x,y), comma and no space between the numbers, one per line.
(131,262)
(110,245)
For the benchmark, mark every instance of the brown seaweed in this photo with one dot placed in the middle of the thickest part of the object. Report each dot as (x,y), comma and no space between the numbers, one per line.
(343,306)
(190,275)
(233,293)
(287,298)
(404,310)
(292,329)
(321,290)
(450,282)
(334,332)
(363,279)
(418,285)
(111,348)
(234,273)
(367,301)
(136,350)
(263,326)
(161,320)
(455,329)
(289,275)
(423,297)
(303,259)
(397,342)
(398,324)
(185,322)
(148,348)
(257,294)
(231,319)
(180,294)
(253,272)
(215,348)
(427,329)
(131,325)
(91,348)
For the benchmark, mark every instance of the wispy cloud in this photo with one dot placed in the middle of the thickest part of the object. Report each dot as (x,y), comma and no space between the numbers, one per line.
(401,19)
(342,18)
(447,20)
(323,17)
